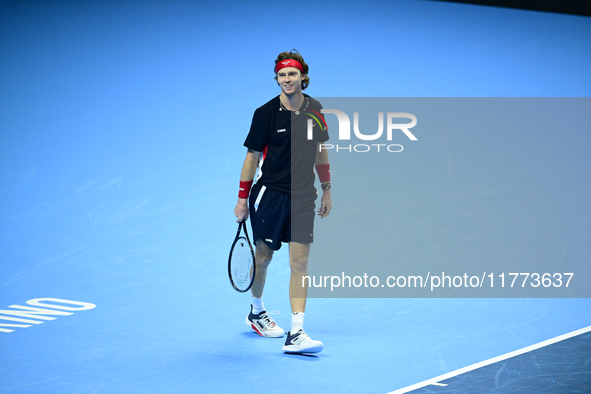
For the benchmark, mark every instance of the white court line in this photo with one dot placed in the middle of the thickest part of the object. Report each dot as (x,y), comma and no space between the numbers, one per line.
(435,381)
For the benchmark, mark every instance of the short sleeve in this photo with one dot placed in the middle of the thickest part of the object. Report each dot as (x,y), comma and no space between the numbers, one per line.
(257,136)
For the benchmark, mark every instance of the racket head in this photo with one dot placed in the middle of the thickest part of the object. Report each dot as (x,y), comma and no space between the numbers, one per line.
(241,262)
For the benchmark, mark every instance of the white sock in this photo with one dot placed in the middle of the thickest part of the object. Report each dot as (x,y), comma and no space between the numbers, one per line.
(297,321)
(257,305)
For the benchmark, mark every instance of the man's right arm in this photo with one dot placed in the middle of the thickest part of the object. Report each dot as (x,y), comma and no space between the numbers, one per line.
(247,175)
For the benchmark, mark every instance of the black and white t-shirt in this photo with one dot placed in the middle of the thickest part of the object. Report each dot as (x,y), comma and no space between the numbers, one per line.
(288,154)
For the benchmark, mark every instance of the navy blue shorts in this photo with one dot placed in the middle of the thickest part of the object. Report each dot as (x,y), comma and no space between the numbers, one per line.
(278,217)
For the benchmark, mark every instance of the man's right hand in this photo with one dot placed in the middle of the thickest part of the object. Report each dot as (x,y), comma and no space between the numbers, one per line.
(241,210)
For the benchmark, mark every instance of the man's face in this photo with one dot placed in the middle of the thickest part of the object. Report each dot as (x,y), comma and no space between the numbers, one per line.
(290,80)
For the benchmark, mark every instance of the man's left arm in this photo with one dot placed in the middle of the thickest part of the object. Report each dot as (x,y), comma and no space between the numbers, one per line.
(323,171)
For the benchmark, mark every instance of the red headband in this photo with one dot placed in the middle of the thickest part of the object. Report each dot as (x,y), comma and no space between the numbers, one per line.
(288,63)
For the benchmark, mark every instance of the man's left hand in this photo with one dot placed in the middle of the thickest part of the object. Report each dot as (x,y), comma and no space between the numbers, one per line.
(325,204)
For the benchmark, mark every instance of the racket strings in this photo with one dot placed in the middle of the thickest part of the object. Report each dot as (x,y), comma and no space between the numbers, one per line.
(242,263)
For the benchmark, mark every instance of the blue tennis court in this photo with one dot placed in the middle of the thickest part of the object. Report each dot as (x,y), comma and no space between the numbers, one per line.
(121,131)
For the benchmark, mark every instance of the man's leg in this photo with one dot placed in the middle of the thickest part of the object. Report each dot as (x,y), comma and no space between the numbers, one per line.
(298,341)
(263,256)
(298,261)
(258,319)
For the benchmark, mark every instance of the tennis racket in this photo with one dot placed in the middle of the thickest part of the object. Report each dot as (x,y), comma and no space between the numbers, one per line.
(241,267)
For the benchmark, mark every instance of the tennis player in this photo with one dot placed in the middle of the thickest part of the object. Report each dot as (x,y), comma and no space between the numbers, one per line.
(281,202)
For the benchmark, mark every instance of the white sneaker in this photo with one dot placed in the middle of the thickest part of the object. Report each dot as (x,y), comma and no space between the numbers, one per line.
(300,342)
(264,325)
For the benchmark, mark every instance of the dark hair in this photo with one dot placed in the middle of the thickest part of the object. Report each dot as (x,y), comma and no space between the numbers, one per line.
(293,54)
